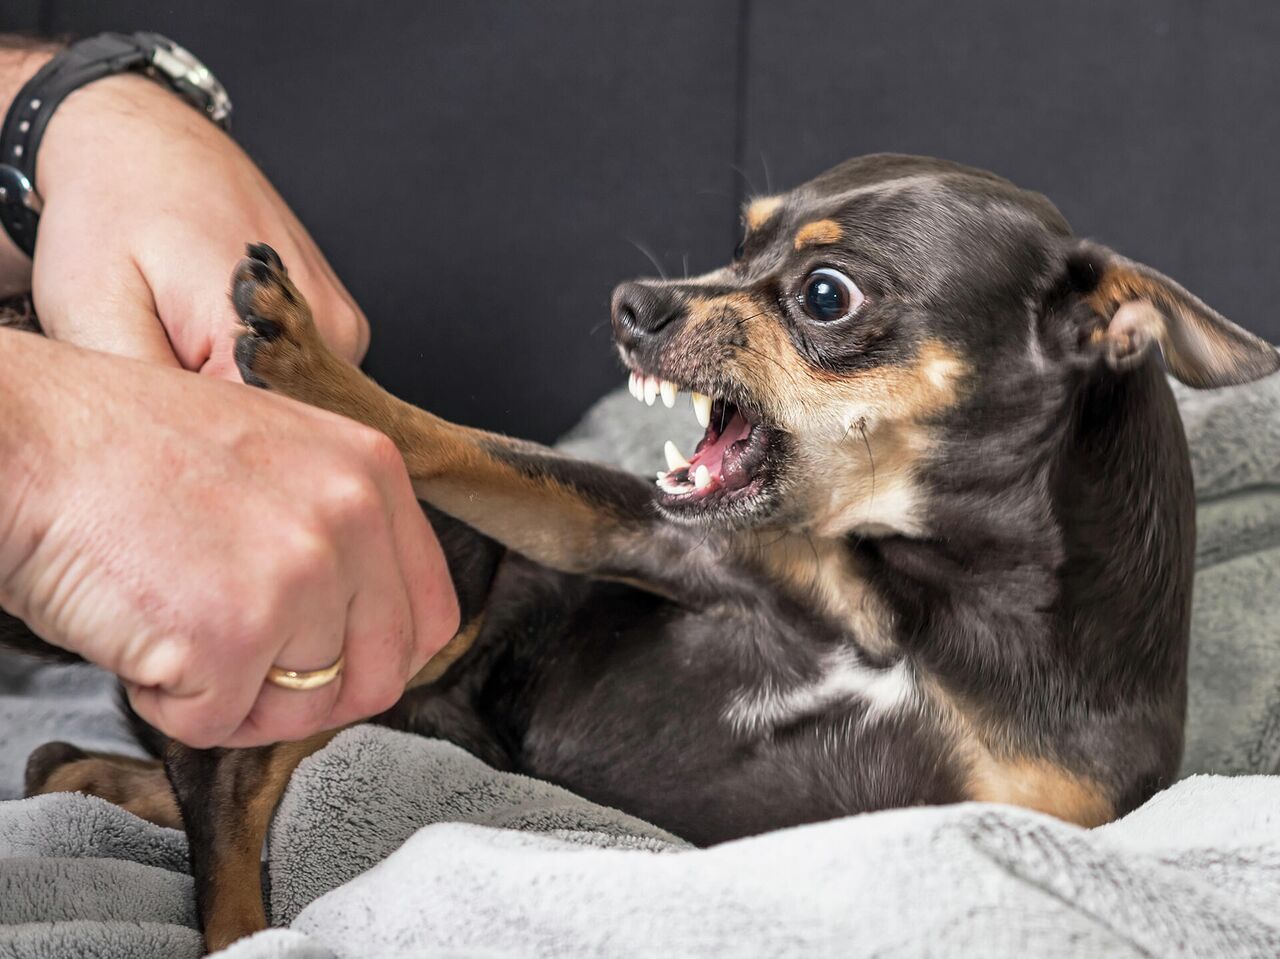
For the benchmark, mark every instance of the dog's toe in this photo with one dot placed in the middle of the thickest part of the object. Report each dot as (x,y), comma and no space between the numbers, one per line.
(44,761)
(263,253)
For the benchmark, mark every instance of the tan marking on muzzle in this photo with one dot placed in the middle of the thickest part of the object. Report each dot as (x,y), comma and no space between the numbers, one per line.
(732,308)
(818,233)
(761,211)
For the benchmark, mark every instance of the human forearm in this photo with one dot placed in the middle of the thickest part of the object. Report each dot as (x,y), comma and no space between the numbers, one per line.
(145,206)
(20,58)
(22,443)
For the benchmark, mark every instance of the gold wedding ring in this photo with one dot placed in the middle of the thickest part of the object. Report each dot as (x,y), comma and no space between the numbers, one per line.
(302,681)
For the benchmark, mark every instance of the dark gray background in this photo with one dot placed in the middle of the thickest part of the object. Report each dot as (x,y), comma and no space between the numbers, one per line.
(480,172)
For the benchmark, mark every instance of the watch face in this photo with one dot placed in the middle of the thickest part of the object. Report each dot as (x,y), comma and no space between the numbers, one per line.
(194,79)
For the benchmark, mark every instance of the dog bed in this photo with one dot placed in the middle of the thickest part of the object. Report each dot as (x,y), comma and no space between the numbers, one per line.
(394,845)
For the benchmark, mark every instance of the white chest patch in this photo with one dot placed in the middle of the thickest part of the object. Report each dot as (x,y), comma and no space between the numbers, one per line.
(845,680)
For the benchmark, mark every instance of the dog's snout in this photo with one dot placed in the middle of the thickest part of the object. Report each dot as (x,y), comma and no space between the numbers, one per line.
(640,310)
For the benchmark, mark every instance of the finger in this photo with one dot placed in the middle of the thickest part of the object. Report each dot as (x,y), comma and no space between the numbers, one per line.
(379,646)
(433,604)
(194,305)
(110,313)
(341,322)
(201,720)
(379,628)
(282,715)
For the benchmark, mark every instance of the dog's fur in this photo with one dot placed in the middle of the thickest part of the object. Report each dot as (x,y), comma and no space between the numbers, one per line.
(961,567)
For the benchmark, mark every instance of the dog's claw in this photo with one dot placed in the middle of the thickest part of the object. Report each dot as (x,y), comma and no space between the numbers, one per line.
(264,254)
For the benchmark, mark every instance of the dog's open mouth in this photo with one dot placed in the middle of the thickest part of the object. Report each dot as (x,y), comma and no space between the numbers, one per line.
(730,462)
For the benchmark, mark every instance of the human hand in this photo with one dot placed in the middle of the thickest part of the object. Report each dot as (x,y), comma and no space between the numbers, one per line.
(188,561)
(146,203)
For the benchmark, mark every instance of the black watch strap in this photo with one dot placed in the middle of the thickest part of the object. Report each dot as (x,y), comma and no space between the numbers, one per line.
(81,63)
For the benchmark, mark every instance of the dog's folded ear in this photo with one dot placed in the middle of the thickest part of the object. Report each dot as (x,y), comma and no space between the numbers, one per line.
(1134,307)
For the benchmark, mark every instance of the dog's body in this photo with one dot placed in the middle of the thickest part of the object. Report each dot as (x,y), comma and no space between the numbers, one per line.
(936,545)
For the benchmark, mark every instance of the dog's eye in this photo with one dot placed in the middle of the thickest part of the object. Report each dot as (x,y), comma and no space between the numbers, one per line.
(829,295)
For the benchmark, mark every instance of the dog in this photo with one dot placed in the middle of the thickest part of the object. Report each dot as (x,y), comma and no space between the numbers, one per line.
(935,545)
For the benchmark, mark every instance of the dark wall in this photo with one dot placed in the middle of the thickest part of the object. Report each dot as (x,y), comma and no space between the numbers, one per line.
(482,173)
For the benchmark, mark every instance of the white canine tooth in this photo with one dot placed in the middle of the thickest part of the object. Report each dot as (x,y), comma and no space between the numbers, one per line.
(668,391)
(701,478)
(674,459)
(650,389)
(702,409)
(662,474)
(633,385)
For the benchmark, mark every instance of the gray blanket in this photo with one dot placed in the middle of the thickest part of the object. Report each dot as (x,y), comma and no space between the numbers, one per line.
(390,845)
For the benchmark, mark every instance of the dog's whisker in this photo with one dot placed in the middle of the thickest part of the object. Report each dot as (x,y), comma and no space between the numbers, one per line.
(649,254)
(862,428)
(764,164)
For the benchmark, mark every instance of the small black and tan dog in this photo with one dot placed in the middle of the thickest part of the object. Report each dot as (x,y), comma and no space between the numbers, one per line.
(935,545)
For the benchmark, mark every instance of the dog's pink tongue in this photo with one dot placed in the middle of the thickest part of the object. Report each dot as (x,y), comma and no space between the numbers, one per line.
(722,460)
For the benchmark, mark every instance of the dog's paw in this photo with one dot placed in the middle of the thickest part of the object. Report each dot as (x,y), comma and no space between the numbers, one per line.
(277,329)
(46,760)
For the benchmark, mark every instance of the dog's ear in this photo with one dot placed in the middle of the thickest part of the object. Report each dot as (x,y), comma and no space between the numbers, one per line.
(1134,308)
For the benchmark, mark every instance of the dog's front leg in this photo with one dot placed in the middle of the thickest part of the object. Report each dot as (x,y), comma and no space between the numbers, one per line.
(565,513)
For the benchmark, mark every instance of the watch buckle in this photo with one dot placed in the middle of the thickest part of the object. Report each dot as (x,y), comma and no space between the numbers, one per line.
(17,189)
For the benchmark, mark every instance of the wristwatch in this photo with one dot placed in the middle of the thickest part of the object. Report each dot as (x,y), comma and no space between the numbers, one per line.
(81,63)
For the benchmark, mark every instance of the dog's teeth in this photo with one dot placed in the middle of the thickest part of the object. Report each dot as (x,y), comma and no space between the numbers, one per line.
(668,391)
(674,458)
(701,478)
(650,389)
(633,385)
(662,474)
(702,409)
(668,485)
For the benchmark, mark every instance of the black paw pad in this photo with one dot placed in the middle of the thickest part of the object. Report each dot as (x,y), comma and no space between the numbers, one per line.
(45,761)
(245,351)
(262,329)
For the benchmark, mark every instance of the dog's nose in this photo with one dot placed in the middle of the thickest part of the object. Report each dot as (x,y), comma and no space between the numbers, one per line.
(641,310)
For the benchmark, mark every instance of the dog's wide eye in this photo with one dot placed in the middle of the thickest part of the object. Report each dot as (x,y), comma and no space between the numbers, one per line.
(829,295)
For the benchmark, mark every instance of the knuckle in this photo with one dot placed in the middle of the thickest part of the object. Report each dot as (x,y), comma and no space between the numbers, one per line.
(379,451)
(308,558)
(351,497)
(254,625)
(357,325)
(165,662)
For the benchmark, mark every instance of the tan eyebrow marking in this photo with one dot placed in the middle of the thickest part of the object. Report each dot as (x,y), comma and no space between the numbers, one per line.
(760,211)
(818,233)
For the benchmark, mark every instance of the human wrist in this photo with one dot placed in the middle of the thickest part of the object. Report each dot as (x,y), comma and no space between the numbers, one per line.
(123,110)
(20,58)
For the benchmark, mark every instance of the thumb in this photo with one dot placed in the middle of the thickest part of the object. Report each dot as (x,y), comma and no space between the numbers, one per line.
(112,313)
